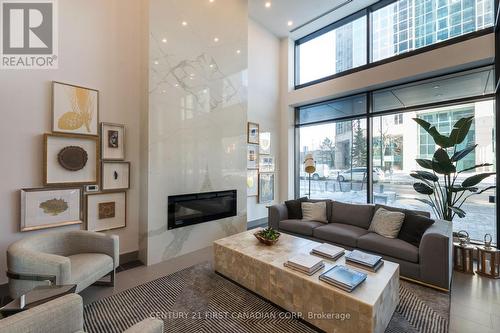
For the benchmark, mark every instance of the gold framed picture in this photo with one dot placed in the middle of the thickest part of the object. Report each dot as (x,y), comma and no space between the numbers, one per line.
(106,211)
(43,208)
(75,109)
(115,175)
(112,142)
(266,187)
(253,133)
(252,183)
(265,143)
(70,159)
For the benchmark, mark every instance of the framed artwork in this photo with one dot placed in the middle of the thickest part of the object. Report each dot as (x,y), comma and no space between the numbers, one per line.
(252,183)
(75,109)
(43,208)
(106,211)
(265,143)
(266,163)
(115,176)
(266,187)
(253,133)
(112,142)
(253,157)
(70,159)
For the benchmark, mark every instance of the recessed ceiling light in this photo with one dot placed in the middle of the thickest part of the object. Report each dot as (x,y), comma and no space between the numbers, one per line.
(290,23)
(156,62)
(164,40)
(238,51)
(216,39)
(268,4)
(184,23)
(211,0)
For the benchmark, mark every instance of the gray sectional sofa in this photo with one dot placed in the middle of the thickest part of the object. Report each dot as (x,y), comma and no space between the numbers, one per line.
(429,262)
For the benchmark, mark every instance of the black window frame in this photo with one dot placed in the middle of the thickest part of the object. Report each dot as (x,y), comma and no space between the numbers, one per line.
(369,63)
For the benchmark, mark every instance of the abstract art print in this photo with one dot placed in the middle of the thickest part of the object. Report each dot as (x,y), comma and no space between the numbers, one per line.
(252,183)
(115,176)
(106,211)
(75,109)
(253,133)
(265,143)
(266,187)
(43,208)
(253,157)
(113,142)
(70,159)
(266,163)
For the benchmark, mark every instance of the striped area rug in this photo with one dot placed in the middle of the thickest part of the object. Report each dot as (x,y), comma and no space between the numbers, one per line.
(198,300)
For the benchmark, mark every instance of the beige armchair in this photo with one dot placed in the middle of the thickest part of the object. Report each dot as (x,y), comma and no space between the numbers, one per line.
(74,257)
(63,315)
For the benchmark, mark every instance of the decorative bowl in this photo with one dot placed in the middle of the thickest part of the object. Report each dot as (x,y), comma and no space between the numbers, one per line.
(266,241)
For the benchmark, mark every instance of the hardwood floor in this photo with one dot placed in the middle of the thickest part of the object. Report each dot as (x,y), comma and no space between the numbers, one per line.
(475,300)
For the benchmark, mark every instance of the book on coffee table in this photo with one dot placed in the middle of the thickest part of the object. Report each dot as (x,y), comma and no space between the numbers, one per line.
(328,251)
(305,263)
(343,277)
(364,260)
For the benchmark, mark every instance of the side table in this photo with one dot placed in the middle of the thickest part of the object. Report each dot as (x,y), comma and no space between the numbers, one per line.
(488,262)
(37,296)
(462,258)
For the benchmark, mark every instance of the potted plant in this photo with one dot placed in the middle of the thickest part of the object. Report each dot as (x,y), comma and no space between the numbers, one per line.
(446,194)
(267,236)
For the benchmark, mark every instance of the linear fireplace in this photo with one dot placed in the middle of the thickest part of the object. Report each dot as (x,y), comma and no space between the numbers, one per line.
(189,209)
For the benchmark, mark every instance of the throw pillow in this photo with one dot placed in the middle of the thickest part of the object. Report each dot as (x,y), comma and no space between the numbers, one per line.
(414,227)
(387,223)
(314,211)
(294,208)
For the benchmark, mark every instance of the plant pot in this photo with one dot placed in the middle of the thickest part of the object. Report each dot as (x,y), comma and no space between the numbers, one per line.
(266,241)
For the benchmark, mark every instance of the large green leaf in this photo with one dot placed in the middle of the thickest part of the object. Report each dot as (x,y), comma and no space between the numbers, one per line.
(460,130)
(486,189)
(426,164)
(424,175)
(425,201)
(423,188)
(441,140)
(476,179)
(462,153)
(475,167)
(460,212)
(462,189)
(441,162)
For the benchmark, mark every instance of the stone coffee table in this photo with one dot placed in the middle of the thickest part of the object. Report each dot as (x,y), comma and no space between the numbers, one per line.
(260,269)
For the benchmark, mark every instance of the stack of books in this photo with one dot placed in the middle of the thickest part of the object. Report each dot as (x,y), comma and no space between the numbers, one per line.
(305,263)
(364,260)
(342,277)
(328,251)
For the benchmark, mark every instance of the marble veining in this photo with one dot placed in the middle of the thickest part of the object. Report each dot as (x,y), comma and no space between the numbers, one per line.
(197,116)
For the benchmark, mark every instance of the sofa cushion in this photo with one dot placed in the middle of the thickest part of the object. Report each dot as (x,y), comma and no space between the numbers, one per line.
(314,211)
(302,227)
(414,227)
(87,268)
(294,208)
(396,248)
(387,223)
(344,234)
(403,210)
(352,214)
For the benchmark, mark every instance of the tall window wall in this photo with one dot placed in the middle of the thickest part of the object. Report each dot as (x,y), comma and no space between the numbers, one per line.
(345,135)
(394,28)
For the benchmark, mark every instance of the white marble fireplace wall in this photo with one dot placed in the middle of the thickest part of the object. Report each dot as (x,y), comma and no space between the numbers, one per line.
(197,116)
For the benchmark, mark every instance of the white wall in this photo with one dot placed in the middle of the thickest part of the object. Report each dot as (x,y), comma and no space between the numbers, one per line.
(197,117)
(100,46)
(263,99)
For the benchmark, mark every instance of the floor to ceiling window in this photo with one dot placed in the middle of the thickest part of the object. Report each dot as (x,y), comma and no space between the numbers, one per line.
(386,29)
(335,132)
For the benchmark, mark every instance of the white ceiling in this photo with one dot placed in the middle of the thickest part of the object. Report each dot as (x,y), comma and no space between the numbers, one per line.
(318,13)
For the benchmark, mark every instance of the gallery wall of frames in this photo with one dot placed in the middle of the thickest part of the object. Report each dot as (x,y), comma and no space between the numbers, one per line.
(85,175)
(260,165)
